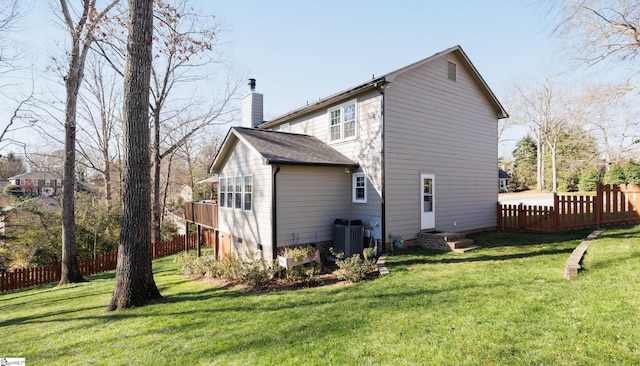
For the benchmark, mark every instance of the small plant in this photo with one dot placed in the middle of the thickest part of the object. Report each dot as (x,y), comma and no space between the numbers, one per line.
(354,268)
(298,254)
(304,265)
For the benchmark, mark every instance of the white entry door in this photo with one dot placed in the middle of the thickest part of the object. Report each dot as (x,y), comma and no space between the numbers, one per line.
(427,205)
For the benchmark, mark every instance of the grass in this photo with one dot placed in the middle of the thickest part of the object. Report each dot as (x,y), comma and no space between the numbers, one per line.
(505,304)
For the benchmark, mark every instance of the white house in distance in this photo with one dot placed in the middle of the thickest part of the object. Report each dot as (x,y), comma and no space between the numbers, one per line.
(409,154)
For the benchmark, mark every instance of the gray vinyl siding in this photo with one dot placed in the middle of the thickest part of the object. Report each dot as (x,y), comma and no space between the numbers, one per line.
(365,149)
(309,200)
(448,129)
(253,227)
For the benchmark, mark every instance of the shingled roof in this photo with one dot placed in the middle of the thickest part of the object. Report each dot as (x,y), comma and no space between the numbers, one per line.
(285,148)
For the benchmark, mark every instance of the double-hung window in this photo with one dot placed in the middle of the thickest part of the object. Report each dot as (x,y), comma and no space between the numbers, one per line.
(238,192)
(229,192)
(343,122)
(222,188)
(359,188)
(248,192)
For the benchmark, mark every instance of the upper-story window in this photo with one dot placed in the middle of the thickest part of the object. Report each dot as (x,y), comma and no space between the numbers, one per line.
(343,122)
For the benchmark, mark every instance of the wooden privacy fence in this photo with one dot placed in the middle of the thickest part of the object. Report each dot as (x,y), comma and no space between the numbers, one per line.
(611,204)
(27,277)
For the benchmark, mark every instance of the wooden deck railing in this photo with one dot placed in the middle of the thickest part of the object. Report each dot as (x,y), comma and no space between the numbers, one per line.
(27,277)
(610,205)
(204,213)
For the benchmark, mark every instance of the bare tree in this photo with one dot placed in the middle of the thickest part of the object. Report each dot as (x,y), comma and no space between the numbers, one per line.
(80,27)
(541,107)
(10,14)
(601,30)
(135,285)
(611,115)
(100,122)
(184,53)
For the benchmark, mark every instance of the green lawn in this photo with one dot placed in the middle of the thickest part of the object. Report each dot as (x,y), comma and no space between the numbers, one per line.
(505,304)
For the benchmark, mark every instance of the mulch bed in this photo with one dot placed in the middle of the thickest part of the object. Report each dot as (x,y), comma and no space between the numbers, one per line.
(328,277)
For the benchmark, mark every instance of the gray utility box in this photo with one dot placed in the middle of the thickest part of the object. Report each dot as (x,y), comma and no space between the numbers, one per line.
(348,236)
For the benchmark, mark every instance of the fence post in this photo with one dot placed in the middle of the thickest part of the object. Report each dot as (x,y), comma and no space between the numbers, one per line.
(555,215)
(597,206)
(186,238)
(521,217)
(498,216)
(198,240)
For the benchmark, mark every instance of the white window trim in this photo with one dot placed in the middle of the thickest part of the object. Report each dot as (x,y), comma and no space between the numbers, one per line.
(237,193)
(341,107)
(354,180)
(245,192)
(222,192)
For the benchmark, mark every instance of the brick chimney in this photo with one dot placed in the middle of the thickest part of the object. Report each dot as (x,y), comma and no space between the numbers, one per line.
(252,114)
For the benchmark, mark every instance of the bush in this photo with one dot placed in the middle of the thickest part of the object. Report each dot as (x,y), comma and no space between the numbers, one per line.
(354,268)
(615,175)
(13,190)
(590,179)
(252,272)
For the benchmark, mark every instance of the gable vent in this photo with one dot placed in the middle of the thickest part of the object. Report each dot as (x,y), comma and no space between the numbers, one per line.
(451,71)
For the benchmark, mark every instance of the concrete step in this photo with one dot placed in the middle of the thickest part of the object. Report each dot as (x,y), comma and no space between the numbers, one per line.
(462,250)
(460,243)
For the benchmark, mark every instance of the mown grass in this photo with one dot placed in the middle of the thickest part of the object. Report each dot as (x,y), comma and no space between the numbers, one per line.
(505,304)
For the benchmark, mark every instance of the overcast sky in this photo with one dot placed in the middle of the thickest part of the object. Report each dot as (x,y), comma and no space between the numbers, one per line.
(300,51)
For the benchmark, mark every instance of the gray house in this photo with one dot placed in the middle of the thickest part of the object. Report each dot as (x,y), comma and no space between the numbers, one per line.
(409,152)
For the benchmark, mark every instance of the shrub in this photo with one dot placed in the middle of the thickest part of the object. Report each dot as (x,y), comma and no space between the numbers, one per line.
(13,190)
(354,268)
(253,272)
(590,179)
(302,273)
(615,175)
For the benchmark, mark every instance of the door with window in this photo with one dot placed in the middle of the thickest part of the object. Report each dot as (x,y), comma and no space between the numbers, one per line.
(427,202)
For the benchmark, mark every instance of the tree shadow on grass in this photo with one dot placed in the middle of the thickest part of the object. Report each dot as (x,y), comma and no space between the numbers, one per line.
(429,258)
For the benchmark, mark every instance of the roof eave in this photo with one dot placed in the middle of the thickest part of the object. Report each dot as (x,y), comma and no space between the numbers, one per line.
(305,163)
(323,102)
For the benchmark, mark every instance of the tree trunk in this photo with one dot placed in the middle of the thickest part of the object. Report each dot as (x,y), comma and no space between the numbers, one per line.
(135,285)
(156,174)
(554,171)
(540,165)
(70,271)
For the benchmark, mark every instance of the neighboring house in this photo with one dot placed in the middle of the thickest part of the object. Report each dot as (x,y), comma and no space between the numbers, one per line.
(411,151)
(503,181)
(45,184)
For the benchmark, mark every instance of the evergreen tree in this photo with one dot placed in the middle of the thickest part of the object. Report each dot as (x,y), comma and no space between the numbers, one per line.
(524,164)
(590,179)
(615,175)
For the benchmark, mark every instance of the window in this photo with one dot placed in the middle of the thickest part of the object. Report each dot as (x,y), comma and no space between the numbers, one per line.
(248,192)
(222,184)
(238,192)
(229,192)
(451,71)
(359,188)
(342,122)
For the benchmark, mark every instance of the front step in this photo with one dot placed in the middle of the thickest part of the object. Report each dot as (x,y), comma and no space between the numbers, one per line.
(446,241)
(462,245)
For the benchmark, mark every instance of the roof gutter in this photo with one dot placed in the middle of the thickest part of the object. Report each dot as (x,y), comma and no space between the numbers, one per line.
(322,103)
(304,163)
